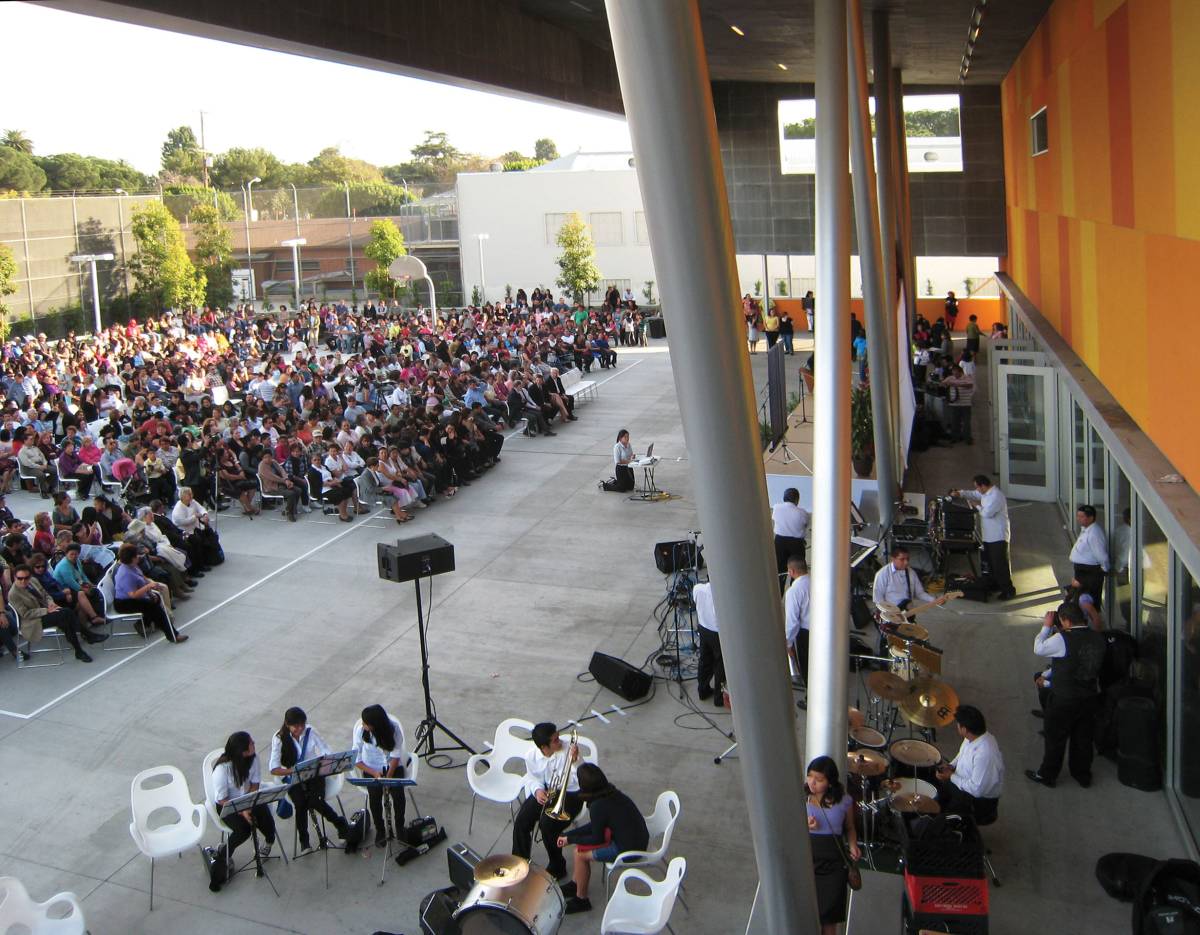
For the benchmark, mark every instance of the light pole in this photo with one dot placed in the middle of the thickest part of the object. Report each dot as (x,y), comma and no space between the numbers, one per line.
(246,216)
(296,206)
(91,259)
(482,275)
(121,233)
(296,243)
(350,235)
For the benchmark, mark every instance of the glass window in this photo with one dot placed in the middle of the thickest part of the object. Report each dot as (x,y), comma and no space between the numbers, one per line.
(1187,751)
(1064,450)
(554,223)
(1120,549)
(641,232)
(1079,430)
(1039,133)
(606,228)
(1155,578)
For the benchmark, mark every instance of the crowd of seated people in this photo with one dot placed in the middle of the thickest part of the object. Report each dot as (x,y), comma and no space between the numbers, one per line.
(157,423)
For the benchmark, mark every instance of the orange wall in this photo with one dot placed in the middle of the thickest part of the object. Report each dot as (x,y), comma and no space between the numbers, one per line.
(987,310)
(1104,228)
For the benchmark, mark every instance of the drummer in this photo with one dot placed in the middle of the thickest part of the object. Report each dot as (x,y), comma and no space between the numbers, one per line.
(896,583)
(976,772)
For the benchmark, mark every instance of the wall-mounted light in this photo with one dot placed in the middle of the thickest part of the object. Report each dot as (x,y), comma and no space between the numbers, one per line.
(737,30)
(782,67)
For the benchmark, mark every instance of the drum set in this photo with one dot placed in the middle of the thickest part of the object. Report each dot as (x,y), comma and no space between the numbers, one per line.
(510,897)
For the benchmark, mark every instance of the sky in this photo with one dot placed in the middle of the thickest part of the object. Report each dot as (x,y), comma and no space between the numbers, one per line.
(101,88)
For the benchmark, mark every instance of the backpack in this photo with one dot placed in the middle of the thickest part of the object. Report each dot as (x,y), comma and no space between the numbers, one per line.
(358,830)
(1168,900)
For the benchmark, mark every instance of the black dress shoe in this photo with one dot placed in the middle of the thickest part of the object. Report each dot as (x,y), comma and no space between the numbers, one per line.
(1038,712)
(568,889)
(82,656)
(578,904)
(1085,782)
(90,636)
(705,693)
(1034,776)
(1007,595)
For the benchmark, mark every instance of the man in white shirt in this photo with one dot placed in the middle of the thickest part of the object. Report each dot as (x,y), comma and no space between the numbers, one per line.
(976,772)
(896,583)
(544,765)
(710,670)
(994,527)
(795,607)
(791,529)
(1089,555)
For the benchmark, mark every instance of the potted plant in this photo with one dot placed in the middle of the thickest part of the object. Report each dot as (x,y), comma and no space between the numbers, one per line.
(862,432)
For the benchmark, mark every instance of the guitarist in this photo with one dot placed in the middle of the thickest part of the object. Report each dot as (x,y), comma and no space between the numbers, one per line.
(896,583)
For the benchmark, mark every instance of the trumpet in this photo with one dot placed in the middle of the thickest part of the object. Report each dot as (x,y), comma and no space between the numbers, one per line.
(556,806)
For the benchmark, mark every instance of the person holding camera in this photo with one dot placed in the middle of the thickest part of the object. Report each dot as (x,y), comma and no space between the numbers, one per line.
(1076,652)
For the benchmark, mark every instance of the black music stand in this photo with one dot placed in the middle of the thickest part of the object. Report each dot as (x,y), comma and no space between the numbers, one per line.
(319,767)
(384,783)
(264,795)
(427,745)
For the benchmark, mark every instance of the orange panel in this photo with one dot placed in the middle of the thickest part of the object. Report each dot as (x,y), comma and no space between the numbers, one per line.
(1120,117)
(1151,87)
(1051,300)
(1065,323)
(1089,130)
(1121,279)
(1103,9)
(1185,39)
(1032,283)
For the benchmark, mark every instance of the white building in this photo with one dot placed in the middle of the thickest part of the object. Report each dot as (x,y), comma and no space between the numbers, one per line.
(512,218)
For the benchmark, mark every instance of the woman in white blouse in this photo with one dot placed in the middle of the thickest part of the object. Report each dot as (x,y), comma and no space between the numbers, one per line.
(236,773)
(188,515)
(296,742)
(379,752)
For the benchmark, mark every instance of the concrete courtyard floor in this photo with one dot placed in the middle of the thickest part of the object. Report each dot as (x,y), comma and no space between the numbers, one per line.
(549,569)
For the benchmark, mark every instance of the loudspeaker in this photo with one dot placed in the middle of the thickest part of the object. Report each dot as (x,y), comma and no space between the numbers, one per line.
(437,912)
(670,557)
(619,676)
(419,557)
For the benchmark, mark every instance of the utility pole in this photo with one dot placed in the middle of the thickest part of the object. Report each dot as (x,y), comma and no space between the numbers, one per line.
(203,150)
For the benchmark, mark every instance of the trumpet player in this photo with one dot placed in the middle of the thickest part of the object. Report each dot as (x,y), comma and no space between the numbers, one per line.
(545,767)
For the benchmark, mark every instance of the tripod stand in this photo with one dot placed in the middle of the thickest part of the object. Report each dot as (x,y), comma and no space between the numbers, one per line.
(427,745)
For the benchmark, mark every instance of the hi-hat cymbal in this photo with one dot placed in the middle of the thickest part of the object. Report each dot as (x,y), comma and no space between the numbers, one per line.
(930,703)
(866,763)
(501,870)
(912,752)
(855,719)
(913,803)
(912,631)
(888,686)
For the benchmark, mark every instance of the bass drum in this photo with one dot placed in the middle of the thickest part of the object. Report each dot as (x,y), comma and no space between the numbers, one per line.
(532,907)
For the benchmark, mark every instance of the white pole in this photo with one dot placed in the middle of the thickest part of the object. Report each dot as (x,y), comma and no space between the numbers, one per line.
(296,271)
(432,294)
(95,295)
(482,275)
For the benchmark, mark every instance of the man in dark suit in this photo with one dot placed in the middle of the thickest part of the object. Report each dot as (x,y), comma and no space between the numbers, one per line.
(537,391)
(558,395)
(521,405)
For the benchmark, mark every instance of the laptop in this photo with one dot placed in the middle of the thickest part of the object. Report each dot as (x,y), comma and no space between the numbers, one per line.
(650,451)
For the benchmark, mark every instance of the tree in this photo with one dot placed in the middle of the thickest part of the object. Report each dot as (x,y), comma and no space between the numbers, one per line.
(545,149)
(435,159)
(577,274)
(181,139)
(16,139)
(385,244)
(367,199)
(120,174)
(931,123)
(214,251)
(329,166)
(164,273)
(806,129)
(183,199)
(70,172)
(8,272)
(521,165)
(18,171)
(181,156)
(235,167)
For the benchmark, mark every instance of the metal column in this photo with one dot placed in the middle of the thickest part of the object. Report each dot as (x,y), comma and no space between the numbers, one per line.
(908,263)
(660,60)
(829,633)
(867,223)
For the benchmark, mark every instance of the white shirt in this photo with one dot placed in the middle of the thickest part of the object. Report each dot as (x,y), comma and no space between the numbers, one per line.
(316,747)
(979,767)
(187,516)
(1090,548)
(790,520)
(541,770)
(622,453)
(369,753)
(993,513)
(795,604)
(892,587)
(223,784)
(1049,644)
(706,611)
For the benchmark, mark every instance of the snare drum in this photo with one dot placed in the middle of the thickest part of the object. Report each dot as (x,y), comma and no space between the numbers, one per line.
(535,906)
(910,785)
(866,737)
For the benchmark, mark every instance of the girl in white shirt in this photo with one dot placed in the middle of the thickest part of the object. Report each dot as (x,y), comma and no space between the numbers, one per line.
(295,742)
(379,752)
(236,773)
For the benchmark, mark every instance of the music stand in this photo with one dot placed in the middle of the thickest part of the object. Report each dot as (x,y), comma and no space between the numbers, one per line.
(384,783)
(320,767)
(264,795)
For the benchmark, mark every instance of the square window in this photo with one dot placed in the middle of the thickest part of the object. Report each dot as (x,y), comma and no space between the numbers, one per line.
(606,228)
(1039,139)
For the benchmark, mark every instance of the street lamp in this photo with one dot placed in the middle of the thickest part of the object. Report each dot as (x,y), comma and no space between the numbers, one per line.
(296,206)
(350,235)
(246,215)
(482,276)
(91,259)
(296,243)
(120,192)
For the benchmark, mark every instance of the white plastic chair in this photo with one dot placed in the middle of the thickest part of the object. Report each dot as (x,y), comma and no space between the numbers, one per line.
(20,911)
(494,783)
(164,840)
(48,633)
(210,791)
(112,616)
(23,474)
(636,914)
(660,821)
(66,482)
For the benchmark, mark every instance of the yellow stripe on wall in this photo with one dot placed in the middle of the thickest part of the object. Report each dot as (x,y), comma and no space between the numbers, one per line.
(1089,347)
(1066,160)
(1185,66)
(1153,118)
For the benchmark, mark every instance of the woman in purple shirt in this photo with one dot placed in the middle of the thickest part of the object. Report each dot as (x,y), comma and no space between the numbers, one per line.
(134,594)
(830,817)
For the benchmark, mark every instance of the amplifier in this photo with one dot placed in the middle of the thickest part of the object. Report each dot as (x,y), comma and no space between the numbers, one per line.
(910,530)
(419,557)
(958,520)
(619,676)
(670,557)
(461,860)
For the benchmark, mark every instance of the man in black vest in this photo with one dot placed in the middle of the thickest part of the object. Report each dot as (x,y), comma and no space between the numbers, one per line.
(1076,652)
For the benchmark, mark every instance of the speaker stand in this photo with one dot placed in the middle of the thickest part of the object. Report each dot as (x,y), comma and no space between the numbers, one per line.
(427,745)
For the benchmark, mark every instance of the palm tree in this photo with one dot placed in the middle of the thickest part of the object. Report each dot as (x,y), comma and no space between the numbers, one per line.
(16,139)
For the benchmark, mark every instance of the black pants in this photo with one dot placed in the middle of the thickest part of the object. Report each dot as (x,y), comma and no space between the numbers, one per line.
(960,423)
(625,478)
(152,612)
(310,796)
(801,646)
(531,815)
(240,830)
(1091,581)
(65,620)
(710,671)
(1069,723)
(998,566)
(375,804)
(785,548)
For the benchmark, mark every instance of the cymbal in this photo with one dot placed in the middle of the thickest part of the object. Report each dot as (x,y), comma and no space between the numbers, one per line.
(912,631)
(896,617)
(915,753)
(930,703)
(866,763)
(891,785)
(855,719)
(501,870)
(913,803)
(888,686)
(867,736)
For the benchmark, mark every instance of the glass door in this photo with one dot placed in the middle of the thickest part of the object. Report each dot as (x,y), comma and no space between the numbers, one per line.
(1028,433)
(1008,354)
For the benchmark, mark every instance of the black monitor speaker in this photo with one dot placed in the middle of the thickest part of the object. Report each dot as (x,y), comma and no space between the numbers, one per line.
(419,557)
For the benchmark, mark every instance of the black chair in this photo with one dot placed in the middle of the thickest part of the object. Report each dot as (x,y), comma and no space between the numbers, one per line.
(986,811)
